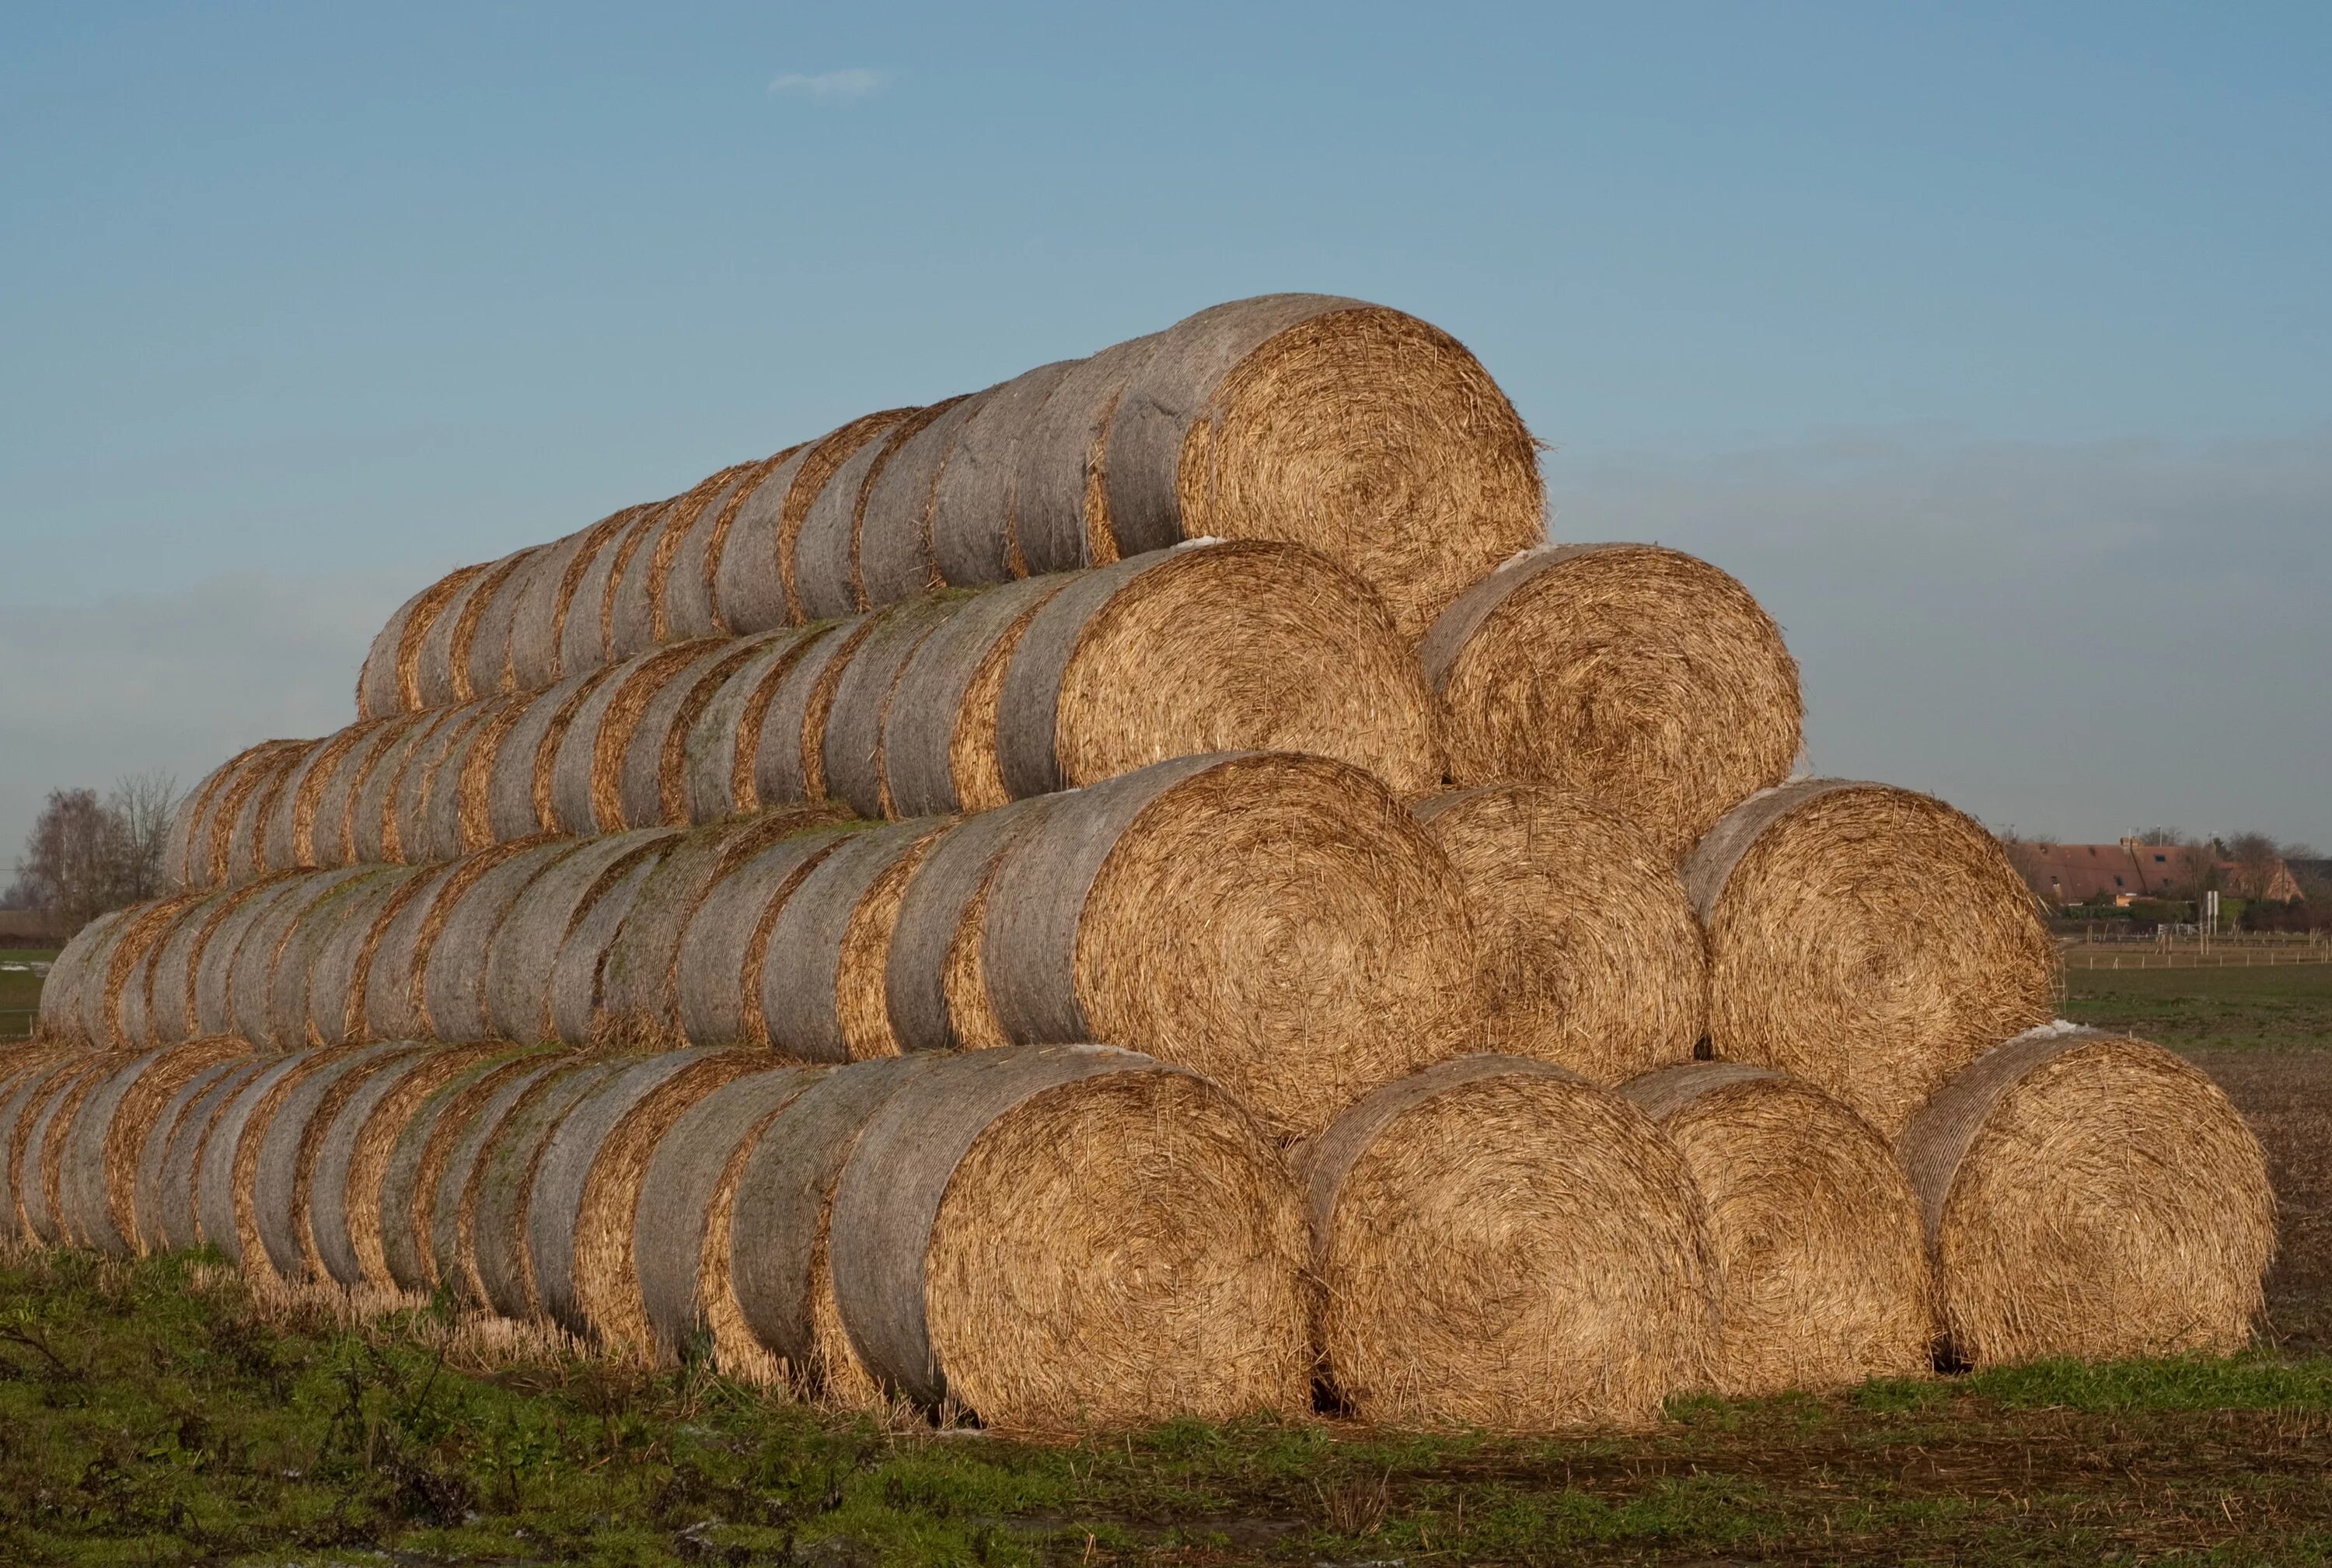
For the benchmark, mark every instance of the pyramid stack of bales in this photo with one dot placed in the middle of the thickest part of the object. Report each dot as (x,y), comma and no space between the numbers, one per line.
(1145,891)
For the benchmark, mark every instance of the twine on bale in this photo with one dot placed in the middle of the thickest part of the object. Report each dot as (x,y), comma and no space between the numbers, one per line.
(1591,956)
(1824,1271)
(1277,922)
(2088,1194)
(1062,1237)
(1639,675)
(1357,430)
(1502,1244)
(1216,648)
(1869,940)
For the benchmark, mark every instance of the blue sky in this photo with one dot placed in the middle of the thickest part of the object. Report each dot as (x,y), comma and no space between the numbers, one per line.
(1989,345)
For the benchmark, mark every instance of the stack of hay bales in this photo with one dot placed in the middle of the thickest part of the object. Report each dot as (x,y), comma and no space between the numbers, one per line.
(1131,894)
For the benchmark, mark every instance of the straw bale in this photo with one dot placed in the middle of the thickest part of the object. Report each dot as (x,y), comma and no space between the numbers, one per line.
(340,962)
(429,791)
(891,548)
(782,762)
(287,837)
(172,1013)
(74,972)
(972,526)
(820,991)
(85,1218)
(158,1191)
(676,1288)
(545,590)
(748,594)
(639,999)
(331,831)
(229,824)
(39,1078)
(143,1107)
(447,1200)
(639,620)
(388,999)
(122,986)
(578,1231)
(692,606)
(454,805)
(451,966)
(934,933)
(348,906)
(1824,1272)
(1277,922)
(1221,648)
(939,745)
(490,1263)
(780,1281)
(1592,955)
(223,1166)
(508,802)
(1072,1236)
(338,1131)
(40,1171)
(1501,1244)
(276,843)
(517,960)
(581,958)
(440,668)
(718,983)
(587,637)
(447,1132)
(850,754)
(650,784)
(484,666)
(473,827)
(389,681)
(214,983)
(1061,485)
(728,727)
(818,473)
(187,821)
(1360,431)
(246,835)
(251,972)
(372,824)
(604,766)
(385,1151)
(565,767)
(2090,1195)
(825,553)
(277,1160)
(1639,675)
(1869,940)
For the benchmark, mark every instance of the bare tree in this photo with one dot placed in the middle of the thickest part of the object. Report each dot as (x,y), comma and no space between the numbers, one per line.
(2257,857)
(2162,837)
(85,856)
(144,803)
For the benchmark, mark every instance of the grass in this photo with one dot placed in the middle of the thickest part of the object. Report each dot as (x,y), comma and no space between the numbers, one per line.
(153,1413)
(2284,1008)
(20,992)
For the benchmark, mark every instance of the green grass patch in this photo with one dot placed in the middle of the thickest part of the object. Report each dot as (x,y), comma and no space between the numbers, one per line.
(2271,1008)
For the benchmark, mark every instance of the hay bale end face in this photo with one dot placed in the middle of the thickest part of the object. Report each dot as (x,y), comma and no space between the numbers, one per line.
(1058,1236)
(2090,1195)
(1591,956)
(1816,1230)
(1639,675)
(1277,922)
(1501,1244)
(1869,940)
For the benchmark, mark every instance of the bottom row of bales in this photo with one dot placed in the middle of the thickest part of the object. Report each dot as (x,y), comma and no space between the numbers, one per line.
(1050,1237)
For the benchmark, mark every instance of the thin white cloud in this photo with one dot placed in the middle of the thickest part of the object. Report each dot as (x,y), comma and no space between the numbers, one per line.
(827,86)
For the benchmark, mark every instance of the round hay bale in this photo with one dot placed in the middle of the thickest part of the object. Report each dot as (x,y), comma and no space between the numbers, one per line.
(74,974)
(587,637)
(454,804)
(651,779)
(252,972)
(172,1014)
(971,500)
(123,990)
(1362,432)
(637,621)
(825,553)
(821,979)
(939,747)
(1072,1236)
(41,1168)
(1501,1244)
(1060,519)
(525,944)
(722,948)
(246,836)
(277,1160)
(1869,940)
(489,1264)
(441,664)
(186,826)
(1591,956)
(780,1286)
(384,1148)
(223,1166)
(691,604)
(933,934)
(726,732)
(483,652)
(638,987)
(622,725)
(85,1213)
(348,905)
(214,978)
(372,810)
(2089,1195)
(1823,1275)
(676,1288)
(327,1163)
(429,789)
(159,1200)
(747,592)
(1639,675)
(32,1079)
(890,549)
(438,1137)
(782,762)
(332,833)
(818,473)
(581,958)
(510,800)
(580,1218)
(1216,649)
(387,994)
(851,751)
(567,771)
(473,825)
(389,681)
(544,598)
(450,967)
(230,824)
(339,968)
(278,846)
(148,1101)
(1277,922)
